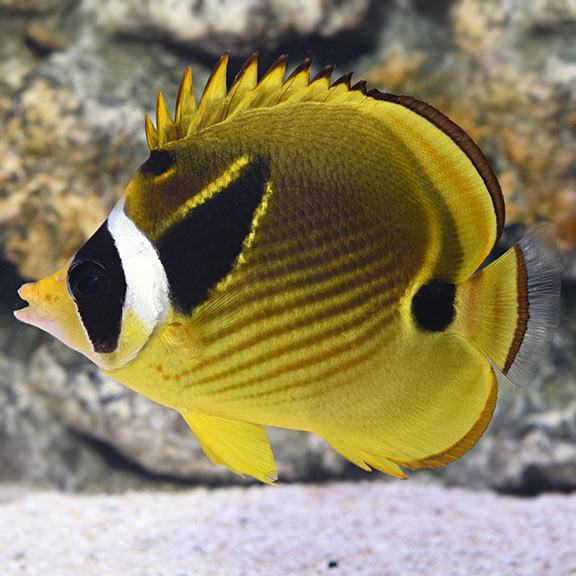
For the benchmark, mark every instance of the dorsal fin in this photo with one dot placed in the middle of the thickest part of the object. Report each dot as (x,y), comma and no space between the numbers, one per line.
(210,108)
(167,131)
(218,103)
(185,103)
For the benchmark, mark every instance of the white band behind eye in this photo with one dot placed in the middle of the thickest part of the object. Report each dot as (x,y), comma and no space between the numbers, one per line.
(146,282)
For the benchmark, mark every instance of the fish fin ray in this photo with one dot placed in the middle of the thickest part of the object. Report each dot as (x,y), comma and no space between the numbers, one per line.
(212,102)
(366,461)
(165,126)
(510,308)
(185,104)
(219,103)
(151,133)
(239,95)
(241,446)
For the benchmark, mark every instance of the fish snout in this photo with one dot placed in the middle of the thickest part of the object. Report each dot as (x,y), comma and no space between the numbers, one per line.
(33,312)
(27,292)
(46,300)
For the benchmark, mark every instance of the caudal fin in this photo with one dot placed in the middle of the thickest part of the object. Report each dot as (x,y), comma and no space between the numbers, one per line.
(510,308)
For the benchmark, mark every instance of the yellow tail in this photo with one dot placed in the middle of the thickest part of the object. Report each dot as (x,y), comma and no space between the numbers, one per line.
(510,308)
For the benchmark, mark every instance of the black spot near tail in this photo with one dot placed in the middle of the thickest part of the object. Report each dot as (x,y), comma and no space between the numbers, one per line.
(433,305)
(202,249)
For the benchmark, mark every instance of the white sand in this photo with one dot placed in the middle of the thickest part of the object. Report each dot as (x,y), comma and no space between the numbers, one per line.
(379,529)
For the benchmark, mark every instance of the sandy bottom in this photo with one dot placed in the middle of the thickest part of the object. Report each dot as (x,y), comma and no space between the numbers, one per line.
(377,529)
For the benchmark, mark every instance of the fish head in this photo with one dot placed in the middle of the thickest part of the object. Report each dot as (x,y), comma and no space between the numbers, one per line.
(108,300)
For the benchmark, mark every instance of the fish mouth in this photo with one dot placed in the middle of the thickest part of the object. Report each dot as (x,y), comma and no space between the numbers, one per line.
(29,316)
(24,294)
(27,313)
(21,303)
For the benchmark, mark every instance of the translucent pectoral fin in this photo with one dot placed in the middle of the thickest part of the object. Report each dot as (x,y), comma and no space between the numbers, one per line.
(241,446)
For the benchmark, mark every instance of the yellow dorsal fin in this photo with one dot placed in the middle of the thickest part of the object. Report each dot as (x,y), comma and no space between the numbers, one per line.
(244,83)
(185,103)
(315,90)
(210,108)
(297,81)
(167,131)
(218,103)
(151,134)
(269,88)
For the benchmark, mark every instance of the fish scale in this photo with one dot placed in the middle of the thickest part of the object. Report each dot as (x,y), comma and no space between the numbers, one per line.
(305,312)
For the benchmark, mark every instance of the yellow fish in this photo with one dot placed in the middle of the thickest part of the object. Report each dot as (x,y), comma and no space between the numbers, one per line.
(303,253)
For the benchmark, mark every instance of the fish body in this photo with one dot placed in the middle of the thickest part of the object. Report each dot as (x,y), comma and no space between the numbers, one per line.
(305,254)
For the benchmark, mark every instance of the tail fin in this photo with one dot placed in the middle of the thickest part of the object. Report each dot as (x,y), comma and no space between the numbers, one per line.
(510,308)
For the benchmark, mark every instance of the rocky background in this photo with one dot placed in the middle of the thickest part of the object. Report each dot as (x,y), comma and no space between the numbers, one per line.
(77,77)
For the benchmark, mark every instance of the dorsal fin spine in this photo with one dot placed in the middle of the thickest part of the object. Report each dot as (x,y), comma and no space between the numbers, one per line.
(296,82)
(325,72)
(185,104)
(246,92)
(215,89)
(344,79)
(246,79)
(270,85)
(302,69)
(360,86)
(151,133)
(241,91)
(210,109)
(164,124)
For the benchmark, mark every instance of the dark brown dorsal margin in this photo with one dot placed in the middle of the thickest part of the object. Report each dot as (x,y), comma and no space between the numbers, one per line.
(461,138)
(325,72)
(280,61)
(360,86)
(302,67)
(344,79)
(249,63)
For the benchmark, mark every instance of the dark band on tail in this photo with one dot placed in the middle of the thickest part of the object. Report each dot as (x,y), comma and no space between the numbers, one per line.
(523,309)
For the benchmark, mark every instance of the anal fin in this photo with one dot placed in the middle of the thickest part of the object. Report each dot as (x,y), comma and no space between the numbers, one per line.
(367,461)
(425,409)
(241,446)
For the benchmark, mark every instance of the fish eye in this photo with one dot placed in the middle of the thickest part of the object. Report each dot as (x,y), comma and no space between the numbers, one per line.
(89,283)
(159,162)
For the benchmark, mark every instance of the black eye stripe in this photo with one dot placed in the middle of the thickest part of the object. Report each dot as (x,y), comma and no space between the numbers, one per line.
(97,284)
(159,162)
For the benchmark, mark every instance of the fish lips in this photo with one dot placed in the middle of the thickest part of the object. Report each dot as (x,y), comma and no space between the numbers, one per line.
(29,314)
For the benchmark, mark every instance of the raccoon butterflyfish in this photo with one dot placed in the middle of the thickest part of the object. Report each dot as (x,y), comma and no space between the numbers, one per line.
(307,254)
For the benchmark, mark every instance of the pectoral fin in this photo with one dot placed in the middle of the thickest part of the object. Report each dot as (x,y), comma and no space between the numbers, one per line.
(241,446)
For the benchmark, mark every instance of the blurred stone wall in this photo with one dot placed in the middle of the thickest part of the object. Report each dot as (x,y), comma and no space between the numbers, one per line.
(77,77)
